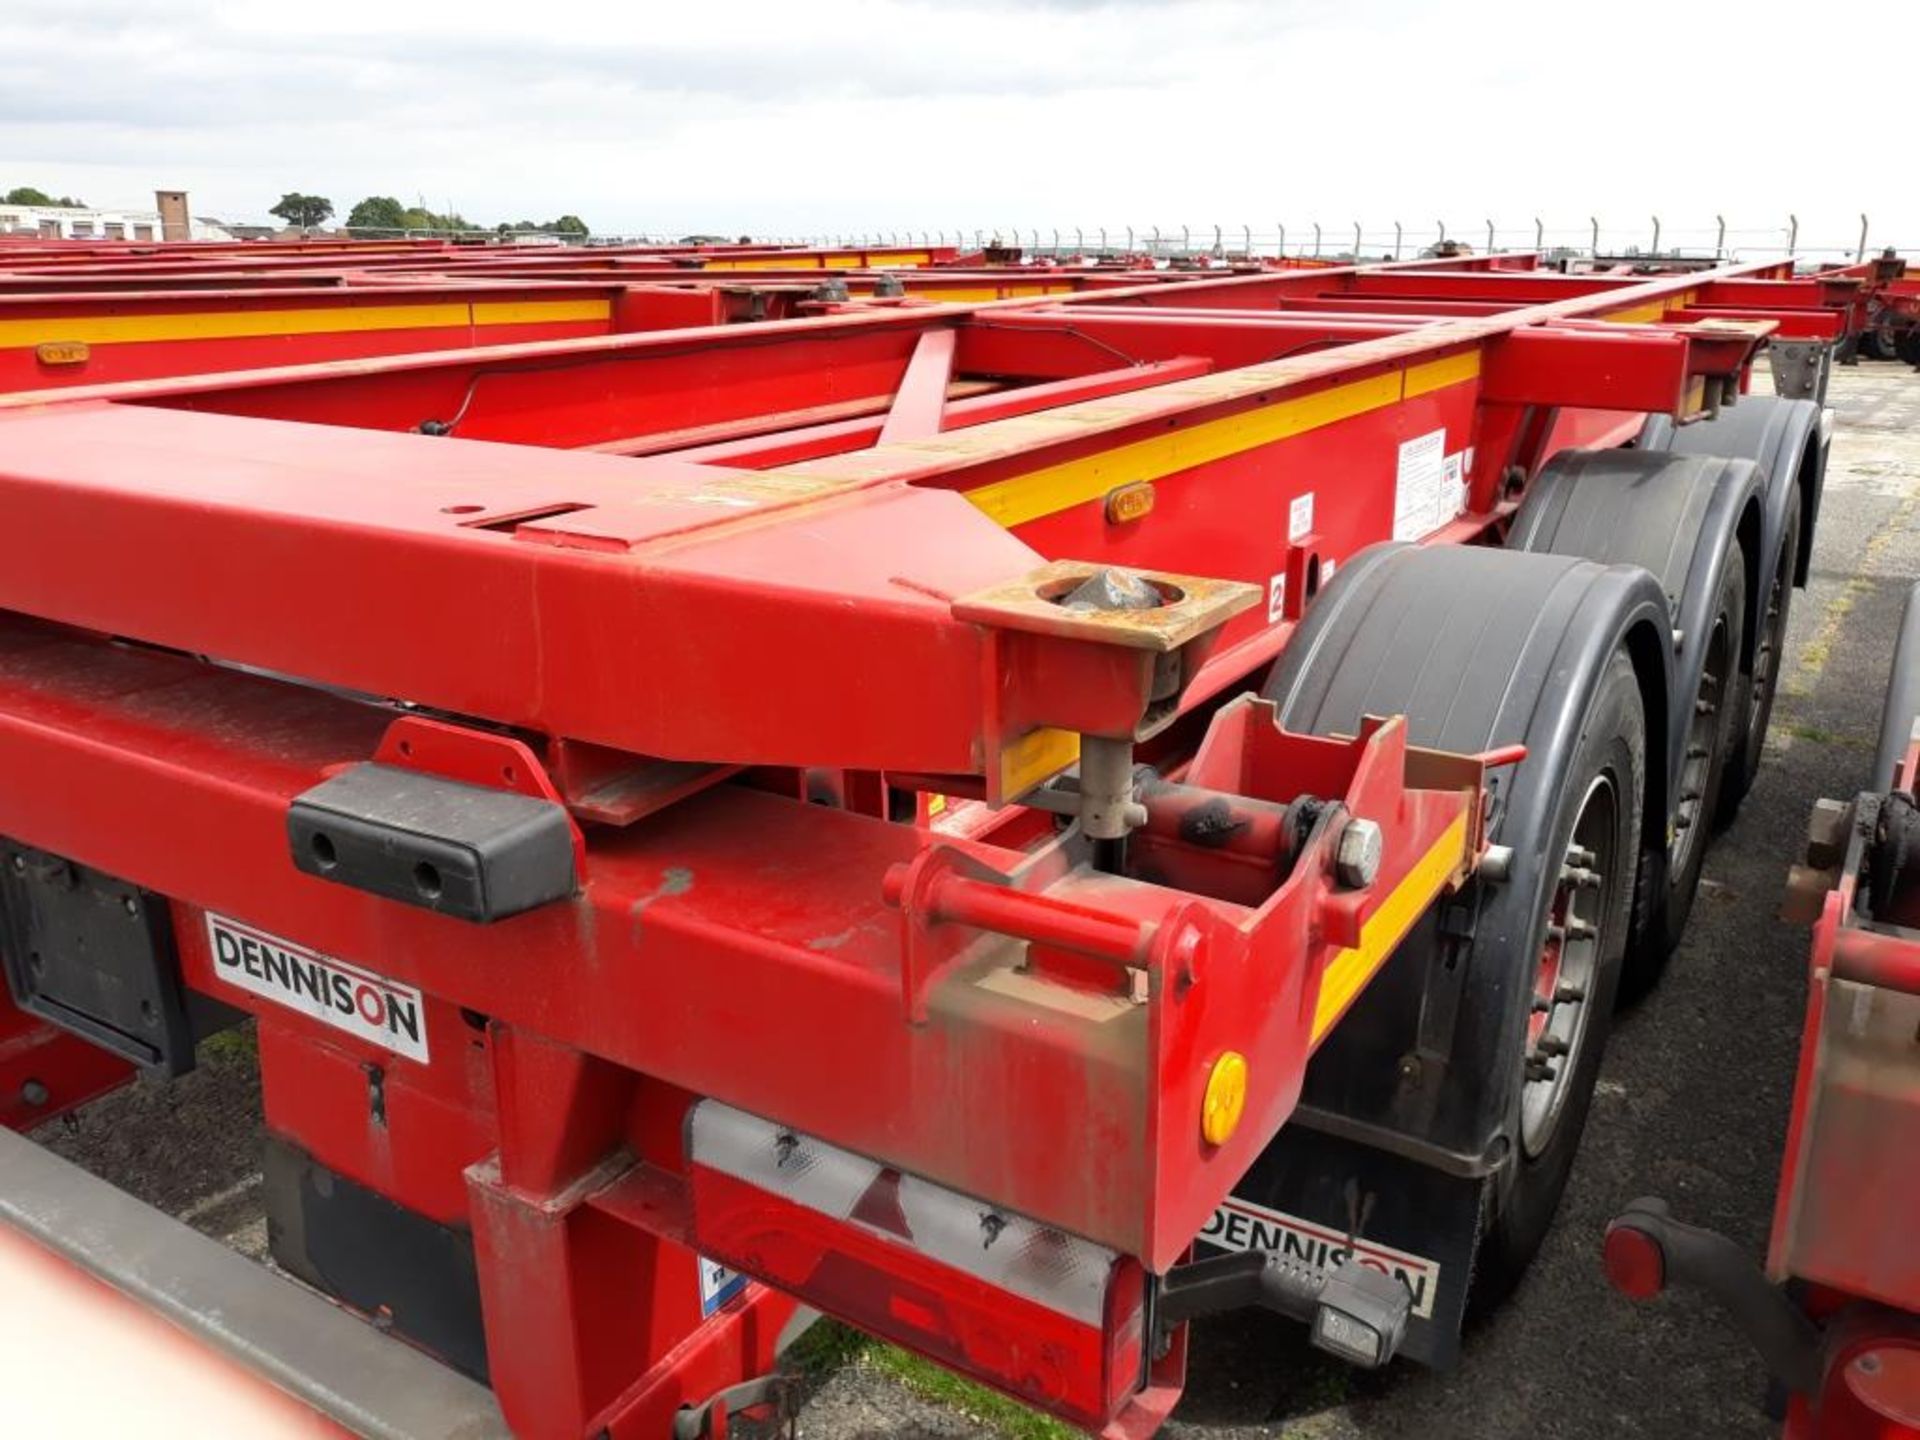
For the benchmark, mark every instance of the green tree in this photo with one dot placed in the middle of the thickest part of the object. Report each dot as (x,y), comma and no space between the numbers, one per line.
(306,211)
(378,212)
(569,225)
(417,217)
(29,195)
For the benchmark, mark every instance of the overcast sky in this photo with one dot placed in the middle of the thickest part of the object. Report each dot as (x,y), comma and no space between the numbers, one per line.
(864,115)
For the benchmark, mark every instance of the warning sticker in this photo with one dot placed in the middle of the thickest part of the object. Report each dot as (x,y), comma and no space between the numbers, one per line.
(1419,504)
(1240,1225)
(1299,518)
(363,1004)
(718,1284)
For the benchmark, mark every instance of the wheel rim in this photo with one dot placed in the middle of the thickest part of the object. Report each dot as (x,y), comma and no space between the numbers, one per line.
(1704,735)
(1578,922)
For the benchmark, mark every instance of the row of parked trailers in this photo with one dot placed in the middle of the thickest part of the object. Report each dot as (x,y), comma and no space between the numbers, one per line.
(1015,805)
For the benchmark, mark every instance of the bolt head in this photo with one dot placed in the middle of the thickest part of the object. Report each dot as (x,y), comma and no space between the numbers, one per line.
(1356,859)
(34,1093)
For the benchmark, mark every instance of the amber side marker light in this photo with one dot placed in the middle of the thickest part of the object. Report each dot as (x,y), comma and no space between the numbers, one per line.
(1226,1098)
(1130,502)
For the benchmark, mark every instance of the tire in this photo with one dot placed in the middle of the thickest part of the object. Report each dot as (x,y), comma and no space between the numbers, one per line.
(1872,345)
(1663,908)
(1598,811)
(1763,684)
(1479,648)
(1908,345)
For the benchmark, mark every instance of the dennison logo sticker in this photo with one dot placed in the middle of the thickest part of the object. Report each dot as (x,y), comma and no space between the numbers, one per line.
(369,1006)
(1241,1225)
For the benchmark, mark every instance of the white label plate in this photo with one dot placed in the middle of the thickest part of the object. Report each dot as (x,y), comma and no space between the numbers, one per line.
(1240,1225)
(718,1284)
(367,1006)
(1419,481)
(1299,518)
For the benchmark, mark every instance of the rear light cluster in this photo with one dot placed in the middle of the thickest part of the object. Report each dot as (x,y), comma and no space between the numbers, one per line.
(1635,1264)
(1048,1317)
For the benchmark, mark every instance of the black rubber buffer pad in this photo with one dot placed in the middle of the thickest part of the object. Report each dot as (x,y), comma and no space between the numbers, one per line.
(463,850)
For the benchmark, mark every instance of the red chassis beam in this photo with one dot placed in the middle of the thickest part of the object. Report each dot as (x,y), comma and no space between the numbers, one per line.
(681,550)
(782,906)
(73,339)
(149,330)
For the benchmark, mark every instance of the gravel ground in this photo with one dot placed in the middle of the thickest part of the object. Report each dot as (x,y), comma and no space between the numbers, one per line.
(1692,1102)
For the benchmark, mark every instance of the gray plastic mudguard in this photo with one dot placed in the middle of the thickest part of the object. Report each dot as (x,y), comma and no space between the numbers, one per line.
(1478,648)
(1785,438)
(1676,516)
(1402,1137)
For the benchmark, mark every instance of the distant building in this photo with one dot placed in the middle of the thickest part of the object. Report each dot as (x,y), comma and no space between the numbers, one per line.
(235,231)
(175,223)
(168,219)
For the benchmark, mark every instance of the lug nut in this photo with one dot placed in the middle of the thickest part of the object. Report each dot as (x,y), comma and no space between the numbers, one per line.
(1497,864)
(1356,859)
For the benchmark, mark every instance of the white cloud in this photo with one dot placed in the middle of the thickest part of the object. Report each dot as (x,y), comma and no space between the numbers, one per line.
(909,114)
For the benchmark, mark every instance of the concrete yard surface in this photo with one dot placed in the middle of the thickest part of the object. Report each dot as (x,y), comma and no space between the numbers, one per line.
(1692,1101)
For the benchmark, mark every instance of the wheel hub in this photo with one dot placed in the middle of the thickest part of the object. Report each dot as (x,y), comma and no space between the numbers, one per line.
(1577,919)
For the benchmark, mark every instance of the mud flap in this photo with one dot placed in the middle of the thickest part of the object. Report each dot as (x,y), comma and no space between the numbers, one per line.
(414,1275)
(1309,1192)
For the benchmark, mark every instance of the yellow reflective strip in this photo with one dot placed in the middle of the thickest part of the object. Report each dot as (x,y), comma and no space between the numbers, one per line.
(1438,374)
(1349,971)
(1021,498)
(539,312)
(1638,315)
(1035,756)
(962,295)
(238,324)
